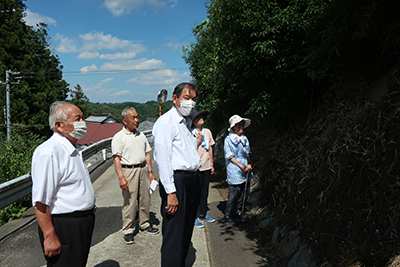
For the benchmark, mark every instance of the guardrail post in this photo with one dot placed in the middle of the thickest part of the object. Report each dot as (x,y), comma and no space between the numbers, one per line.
(104,154)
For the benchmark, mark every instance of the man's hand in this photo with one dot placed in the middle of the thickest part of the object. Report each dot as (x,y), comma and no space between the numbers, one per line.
(52,245)
(152,176)
(172,204)
(123,184)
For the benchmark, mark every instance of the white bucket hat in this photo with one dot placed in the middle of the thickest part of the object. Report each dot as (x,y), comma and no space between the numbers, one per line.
(236,119)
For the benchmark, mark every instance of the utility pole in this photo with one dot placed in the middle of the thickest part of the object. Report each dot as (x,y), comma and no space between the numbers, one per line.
(8,109)
(8,116)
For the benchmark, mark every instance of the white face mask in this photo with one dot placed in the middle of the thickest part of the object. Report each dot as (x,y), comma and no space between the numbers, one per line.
(79,131)
(186,107)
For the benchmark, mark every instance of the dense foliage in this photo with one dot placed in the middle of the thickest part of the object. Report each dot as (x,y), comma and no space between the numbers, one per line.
(16,155)
(271,58)
(25,50)
(15,161)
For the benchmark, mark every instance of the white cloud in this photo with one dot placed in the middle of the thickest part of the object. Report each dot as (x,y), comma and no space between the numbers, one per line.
(88,55)
(140,64)
(91,43)
(117,56)
(33,18)
(101,83)
(175,46)
(173,3)
(65,45)
(122,7)
(156,3)
(164,77)
(89,68)
(124,92)
(98,41)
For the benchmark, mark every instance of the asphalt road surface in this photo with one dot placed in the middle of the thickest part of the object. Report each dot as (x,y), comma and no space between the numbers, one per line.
(219,244)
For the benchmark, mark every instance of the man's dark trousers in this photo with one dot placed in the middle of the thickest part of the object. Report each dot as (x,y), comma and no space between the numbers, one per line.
(75,235)
(177,229)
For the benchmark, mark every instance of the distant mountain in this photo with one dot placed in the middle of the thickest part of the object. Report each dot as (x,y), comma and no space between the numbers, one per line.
(146,110)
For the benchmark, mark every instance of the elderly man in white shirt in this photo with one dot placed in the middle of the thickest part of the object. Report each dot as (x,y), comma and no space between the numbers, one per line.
(132,162)
(62,192)
(177,160)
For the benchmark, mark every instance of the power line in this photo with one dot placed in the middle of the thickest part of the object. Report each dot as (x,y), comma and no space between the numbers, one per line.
(95,72)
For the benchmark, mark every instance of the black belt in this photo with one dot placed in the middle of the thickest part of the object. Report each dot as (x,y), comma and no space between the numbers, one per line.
(140,165)
(186,172)
(76,214)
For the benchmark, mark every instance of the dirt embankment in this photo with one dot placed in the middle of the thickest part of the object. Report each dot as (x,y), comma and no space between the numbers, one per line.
(336,178)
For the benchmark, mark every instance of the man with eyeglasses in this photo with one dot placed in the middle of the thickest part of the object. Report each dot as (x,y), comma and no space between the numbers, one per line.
(132,163)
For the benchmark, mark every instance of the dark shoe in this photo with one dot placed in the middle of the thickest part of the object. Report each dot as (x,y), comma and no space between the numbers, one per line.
(230,220)
(244,217)
(150,230)
(129,238)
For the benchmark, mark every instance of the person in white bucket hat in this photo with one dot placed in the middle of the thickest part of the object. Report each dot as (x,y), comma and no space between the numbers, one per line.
(238,167)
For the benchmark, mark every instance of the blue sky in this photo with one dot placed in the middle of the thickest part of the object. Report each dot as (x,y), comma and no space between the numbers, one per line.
(120,50)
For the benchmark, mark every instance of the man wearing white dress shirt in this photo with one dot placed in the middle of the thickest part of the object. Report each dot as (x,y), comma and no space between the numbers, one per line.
(177,160)
(62,192)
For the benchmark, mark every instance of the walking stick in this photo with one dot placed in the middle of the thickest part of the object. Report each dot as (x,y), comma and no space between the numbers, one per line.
(244,197)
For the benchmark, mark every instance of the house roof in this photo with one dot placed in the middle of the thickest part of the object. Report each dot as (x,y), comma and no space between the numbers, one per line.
(101,118)
(97,132)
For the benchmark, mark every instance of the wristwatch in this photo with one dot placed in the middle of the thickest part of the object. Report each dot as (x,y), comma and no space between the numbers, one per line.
(151,171)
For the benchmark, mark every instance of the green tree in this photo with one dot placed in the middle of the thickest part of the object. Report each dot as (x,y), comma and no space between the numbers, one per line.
(248,54)
(270,58)
(26,50)
(79,99)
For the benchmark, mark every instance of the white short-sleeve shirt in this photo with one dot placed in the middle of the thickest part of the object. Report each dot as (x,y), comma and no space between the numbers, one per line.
(60,178)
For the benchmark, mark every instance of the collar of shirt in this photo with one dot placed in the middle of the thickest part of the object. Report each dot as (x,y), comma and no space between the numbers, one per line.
(67,144)
(126,131)
(180,119)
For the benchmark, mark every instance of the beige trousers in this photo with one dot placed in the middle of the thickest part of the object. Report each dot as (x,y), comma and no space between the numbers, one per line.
(137,197)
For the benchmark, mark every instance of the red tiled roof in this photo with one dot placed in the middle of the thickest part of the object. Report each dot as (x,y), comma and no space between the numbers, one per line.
(97,132)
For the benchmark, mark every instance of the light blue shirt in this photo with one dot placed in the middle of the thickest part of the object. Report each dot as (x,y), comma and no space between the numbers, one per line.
(175,148)
(239,151)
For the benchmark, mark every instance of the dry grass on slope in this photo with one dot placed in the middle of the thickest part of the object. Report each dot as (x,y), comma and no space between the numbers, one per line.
(337,179)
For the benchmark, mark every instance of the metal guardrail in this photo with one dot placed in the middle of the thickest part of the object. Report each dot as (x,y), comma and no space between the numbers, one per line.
(17,188)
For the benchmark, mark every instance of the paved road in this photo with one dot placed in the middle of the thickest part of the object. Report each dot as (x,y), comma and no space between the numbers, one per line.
(217,245)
